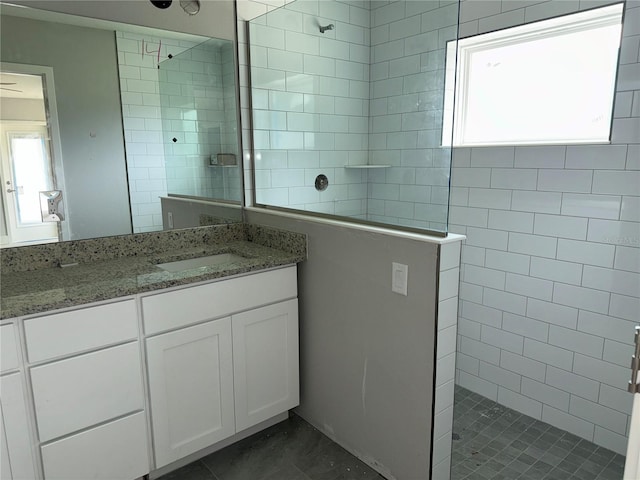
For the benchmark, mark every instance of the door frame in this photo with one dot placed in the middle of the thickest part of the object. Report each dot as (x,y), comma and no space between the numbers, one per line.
(55,144)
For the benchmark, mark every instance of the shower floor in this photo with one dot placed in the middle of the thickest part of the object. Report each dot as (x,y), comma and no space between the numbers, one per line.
(495,442)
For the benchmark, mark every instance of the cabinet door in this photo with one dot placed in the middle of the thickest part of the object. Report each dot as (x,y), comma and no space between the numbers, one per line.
(191,389)
(16,448)
(265,362)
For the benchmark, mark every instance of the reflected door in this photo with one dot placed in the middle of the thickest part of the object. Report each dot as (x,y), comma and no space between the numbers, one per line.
(25,170)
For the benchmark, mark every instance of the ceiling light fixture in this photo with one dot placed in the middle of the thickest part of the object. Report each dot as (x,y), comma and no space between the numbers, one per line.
(190,6)
(161,3)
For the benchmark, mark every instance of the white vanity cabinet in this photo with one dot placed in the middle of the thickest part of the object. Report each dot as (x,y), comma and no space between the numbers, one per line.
(221,357)
(88,392)
(16,461)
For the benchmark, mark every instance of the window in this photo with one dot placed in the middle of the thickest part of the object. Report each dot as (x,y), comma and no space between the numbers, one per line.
(546,82)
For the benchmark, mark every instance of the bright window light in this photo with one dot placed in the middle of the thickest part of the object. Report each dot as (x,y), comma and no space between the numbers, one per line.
(548,82)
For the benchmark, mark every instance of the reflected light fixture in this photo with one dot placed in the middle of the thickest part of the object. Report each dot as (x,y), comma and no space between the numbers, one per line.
(161,3)
(190,6)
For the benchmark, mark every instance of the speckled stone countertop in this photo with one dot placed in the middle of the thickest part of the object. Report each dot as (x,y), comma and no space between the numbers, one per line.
(121,266)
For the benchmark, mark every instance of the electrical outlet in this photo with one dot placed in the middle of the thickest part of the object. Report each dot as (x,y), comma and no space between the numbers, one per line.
(399,278)
(170,219)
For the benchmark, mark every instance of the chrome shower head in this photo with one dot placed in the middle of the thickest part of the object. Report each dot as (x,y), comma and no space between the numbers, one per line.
(328,27)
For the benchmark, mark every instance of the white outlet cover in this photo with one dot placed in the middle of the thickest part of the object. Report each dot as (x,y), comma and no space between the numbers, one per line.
(399,278)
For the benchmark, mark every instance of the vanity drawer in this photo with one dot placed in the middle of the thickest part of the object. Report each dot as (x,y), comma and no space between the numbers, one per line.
(116,450)
(178,308)
(8,348)
(82,391)
(76,331)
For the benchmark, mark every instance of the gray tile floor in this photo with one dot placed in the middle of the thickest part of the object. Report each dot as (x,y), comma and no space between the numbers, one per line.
(495,442)
(490,442)
(290,450)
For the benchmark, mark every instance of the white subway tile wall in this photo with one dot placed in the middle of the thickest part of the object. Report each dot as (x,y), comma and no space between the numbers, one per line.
(550,289)
(190,97)
(370,91)
(310,104)
(446,357)
(407,75)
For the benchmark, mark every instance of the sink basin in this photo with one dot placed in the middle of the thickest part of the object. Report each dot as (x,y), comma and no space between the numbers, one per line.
(200,262)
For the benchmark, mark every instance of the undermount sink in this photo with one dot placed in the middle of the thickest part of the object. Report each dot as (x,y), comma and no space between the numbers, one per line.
(200,262)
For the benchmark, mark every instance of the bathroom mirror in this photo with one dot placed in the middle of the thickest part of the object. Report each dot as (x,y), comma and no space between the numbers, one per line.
(114,116)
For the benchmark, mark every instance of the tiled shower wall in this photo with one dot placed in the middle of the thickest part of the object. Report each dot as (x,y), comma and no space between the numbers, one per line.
(189,80)
(199,120)
(445,357)
(550,275)
(407,94)
(368,92)
(310,105)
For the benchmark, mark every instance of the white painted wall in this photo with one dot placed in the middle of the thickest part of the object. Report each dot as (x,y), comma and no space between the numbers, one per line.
(550,278)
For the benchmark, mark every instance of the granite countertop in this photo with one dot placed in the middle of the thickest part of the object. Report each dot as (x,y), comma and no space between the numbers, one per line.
(44,289)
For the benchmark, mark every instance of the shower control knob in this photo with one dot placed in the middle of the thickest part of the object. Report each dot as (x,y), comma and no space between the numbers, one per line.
(322,182)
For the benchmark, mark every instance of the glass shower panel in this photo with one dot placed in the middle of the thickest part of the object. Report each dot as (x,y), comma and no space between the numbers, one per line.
(354,92)
(199,122)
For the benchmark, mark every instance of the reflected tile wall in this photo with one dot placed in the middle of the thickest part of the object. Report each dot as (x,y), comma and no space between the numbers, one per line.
(140,97)
(198,108)
(186,98)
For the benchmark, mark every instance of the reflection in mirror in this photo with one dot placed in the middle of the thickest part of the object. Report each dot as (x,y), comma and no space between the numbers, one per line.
(102,104)
(178,103)
(26,167)
(198,112)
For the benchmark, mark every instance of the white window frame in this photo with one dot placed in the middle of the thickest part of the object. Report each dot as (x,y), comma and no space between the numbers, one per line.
(459,52)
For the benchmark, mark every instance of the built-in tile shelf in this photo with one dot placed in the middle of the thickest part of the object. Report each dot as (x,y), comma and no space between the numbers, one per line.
(367,166)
